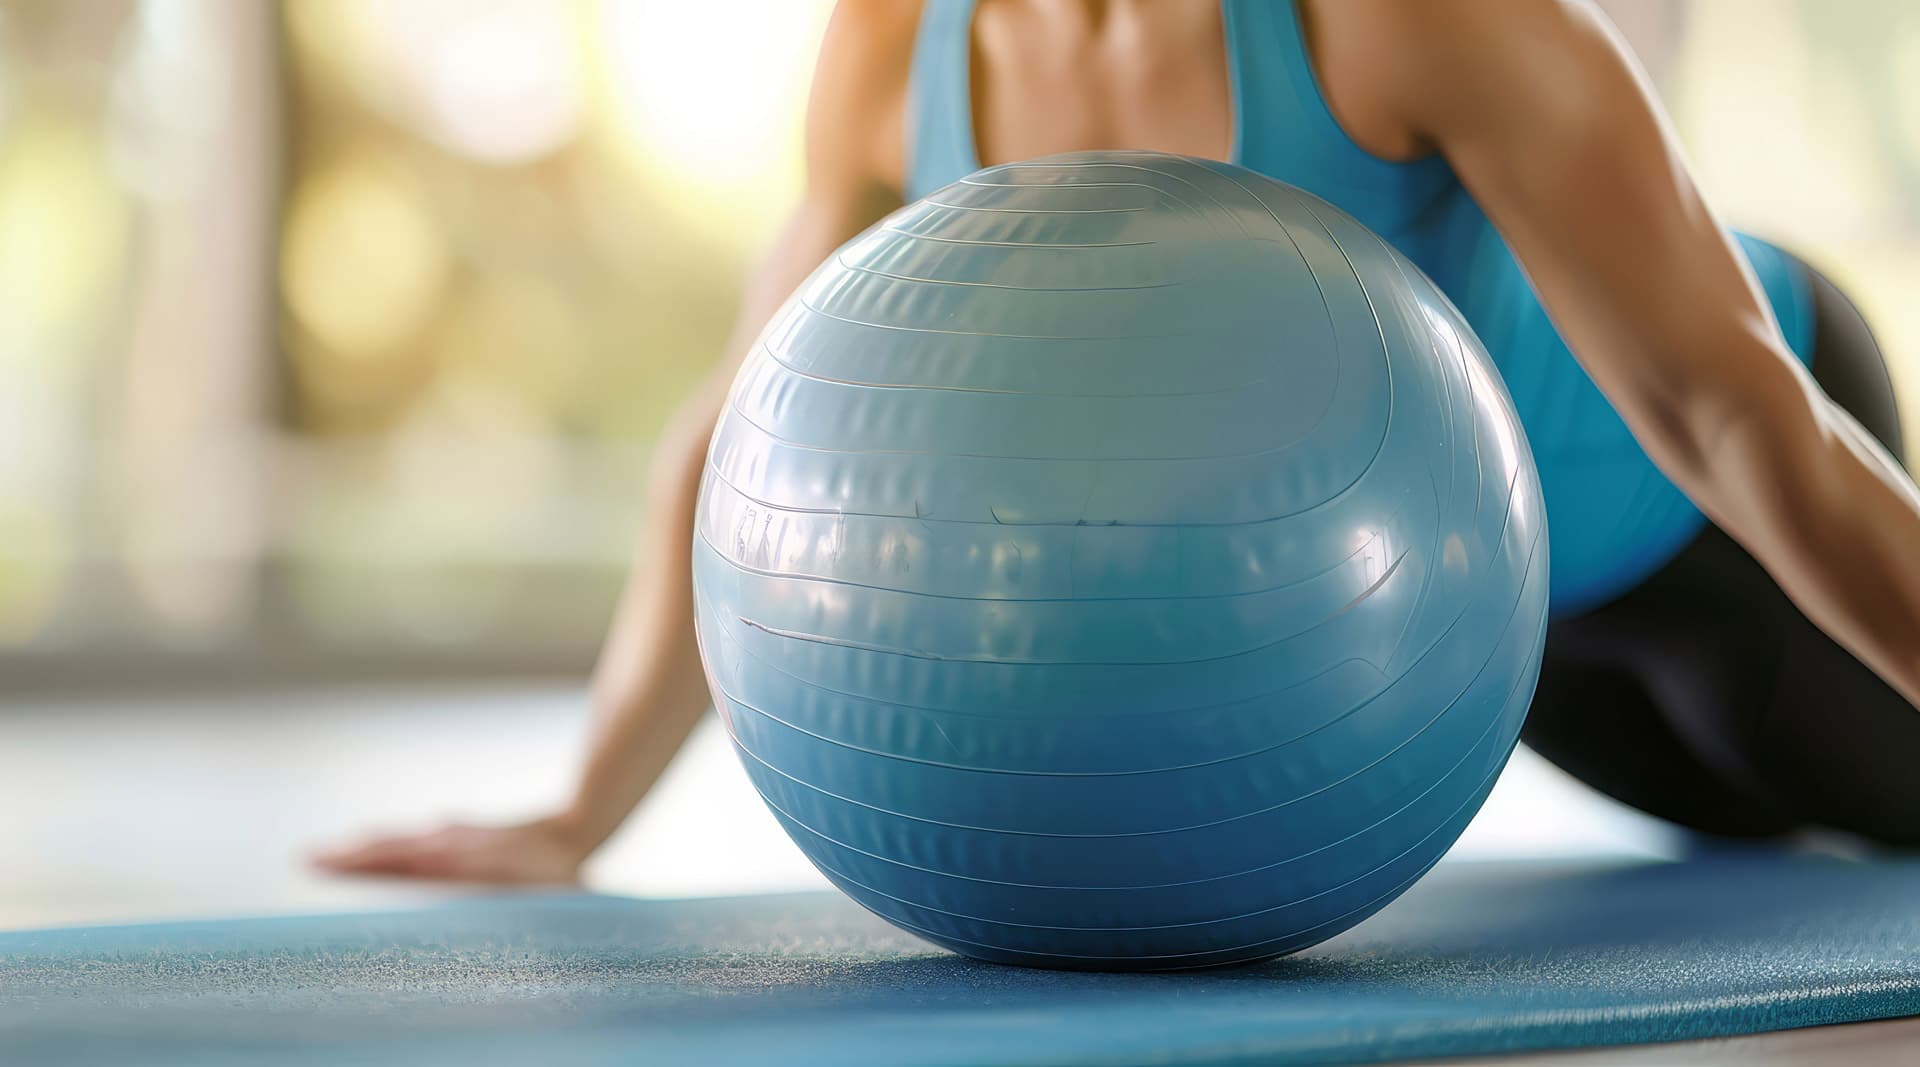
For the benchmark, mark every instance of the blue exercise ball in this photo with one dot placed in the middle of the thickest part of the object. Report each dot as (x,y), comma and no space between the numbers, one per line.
(1120,561)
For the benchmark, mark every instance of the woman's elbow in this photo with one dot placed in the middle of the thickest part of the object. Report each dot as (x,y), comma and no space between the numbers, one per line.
(1757,451)
(1739,435)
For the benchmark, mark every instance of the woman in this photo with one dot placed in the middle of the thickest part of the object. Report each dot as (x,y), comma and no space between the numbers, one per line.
(1689,671)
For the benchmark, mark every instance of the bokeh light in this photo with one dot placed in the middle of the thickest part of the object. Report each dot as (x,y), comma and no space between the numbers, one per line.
(62,235)
(506,86)
(516,333)
(362,266)
(706,97)
(498,82)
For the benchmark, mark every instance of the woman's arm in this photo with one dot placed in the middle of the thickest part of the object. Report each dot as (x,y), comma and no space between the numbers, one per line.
(648,690)
(1552,129)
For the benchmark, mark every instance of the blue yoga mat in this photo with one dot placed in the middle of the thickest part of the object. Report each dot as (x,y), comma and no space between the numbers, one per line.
(1477,958)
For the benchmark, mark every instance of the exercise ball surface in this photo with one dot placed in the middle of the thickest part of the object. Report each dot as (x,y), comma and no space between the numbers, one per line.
(1120,561)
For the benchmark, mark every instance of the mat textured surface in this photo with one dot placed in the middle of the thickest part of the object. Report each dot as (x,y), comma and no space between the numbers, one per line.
(1477,958)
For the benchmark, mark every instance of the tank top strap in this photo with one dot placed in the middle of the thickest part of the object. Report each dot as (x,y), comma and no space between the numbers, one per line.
(1284,128)
(939,127)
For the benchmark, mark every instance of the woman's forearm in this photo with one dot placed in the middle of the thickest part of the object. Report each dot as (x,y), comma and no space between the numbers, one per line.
(1834,519)
(1868,553)
(648,688)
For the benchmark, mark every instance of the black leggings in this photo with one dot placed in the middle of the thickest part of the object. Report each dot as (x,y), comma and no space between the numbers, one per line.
(1705,697)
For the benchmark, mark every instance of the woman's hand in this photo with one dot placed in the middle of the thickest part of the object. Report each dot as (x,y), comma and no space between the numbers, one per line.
(542,852)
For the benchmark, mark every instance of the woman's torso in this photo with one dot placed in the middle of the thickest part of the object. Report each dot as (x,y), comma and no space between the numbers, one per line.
(1238,82)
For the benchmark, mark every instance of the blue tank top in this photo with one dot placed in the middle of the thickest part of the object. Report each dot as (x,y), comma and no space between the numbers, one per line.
(1614,518)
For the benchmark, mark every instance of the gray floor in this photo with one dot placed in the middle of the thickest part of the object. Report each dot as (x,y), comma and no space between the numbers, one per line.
(182,807)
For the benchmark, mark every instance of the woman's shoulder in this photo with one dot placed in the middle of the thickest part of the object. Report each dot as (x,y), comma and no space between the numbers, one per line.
(858,104)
